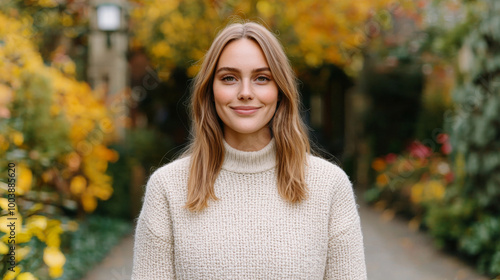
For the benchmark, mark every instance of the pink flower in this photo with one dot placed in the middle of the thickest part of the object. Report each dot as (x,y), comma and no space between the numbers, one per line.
(442,138)
(419,150)
(391,158)
(449,177)
(446,148)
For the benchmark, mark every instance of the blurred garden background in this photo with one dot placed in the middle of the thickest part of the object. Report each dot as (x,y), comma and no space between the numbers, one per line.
(403,94)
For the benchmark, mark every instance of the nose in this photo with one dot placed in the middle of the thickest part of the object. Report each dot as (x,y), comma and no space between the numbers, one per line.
(246,91)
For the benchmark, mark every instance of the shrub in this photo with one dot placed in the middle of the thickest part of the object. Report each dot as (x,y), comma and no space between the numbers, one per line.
(408,183)
(53,137)
(468,219)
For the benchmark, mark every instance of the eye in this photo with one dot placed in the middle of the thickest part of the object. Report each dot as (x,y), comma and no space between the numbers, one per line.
(263,79)
(228,79)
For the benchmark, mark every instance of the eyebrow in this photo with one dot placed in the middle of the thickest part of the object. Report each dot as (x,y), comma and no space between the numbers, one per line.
(231,69)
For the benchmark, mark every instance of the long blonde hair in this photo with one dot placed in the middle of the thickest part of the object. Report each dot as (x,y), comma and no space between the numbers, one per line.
(207,148)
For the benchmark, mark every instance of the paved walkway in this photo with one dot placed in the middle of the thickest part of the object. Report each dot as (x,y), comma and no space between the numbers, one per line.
(393,252)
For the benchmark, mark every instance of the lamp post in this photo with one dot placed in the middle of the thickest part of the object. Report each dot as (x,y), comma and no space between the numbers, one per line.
(108,20)
(108,43)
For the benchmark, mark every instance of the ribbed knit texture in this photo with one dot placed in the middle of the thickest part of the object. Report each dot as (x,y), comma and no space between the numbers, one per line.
(251,232)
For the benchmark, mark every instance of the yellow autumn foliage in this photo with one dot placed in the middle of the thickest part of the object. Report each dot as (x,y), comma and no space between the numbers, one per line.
(4,249)
(313,32)
(78,184)
(26,276)
(11,275)
(24,179)
(77,172)
(22,252)
(88,118)
(54,258)
(427,191)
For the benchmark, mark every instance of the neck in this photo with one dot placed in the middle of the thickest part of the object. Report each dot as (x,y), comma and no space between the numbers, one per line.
(249,161)
(249,142)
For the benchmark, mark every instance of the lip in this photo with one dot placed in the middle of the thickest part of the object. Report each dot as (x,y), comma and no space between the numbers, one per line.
(245,110)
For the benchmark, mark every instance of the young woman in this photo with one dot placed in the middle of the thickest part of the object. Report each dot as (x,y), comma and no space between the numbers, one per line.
(248,200)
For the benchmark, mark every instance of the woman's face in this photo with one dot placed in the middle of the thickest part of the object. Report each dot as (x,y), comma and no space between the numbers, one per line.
(245,92)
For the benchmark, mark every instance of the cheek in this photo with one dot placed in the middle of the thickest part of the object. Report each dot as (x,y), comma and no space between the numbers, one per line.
(221,95)
(270,96)
(221,99)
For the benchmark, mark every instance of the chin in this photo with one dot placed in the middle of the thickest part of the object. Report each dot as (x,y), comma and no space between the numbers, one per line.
(248,130)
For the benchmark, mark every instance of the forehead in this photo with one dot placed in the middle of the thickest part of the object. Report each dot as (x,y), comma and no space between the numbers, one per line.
(242,53)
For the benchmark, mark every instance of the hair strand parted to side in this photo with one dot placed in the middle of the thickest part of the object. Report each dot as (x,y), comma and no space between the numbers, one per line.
(207,147)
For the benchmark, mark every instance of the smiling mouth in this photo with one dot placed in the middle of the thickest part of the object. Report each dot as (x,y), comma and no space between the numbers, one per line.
(245,110)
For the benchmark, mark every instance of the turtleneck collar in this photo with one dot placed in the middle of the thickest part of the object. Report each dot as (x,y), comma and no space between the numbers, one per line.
(250,162)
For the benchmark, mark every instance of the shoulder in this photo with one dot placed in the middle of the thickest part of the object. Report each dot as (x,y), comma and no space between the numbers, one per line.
(173,167)
(327,173)
(317,165)
(175,171)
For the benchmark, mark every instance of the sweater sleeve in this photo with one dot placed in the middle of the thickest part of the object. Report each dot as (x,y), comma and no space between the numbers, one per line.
(346,259)
(153,245)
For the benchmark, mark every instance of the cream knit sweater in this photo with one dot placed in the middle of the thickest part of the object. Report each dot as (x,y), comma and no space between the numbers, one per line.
(250,232)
